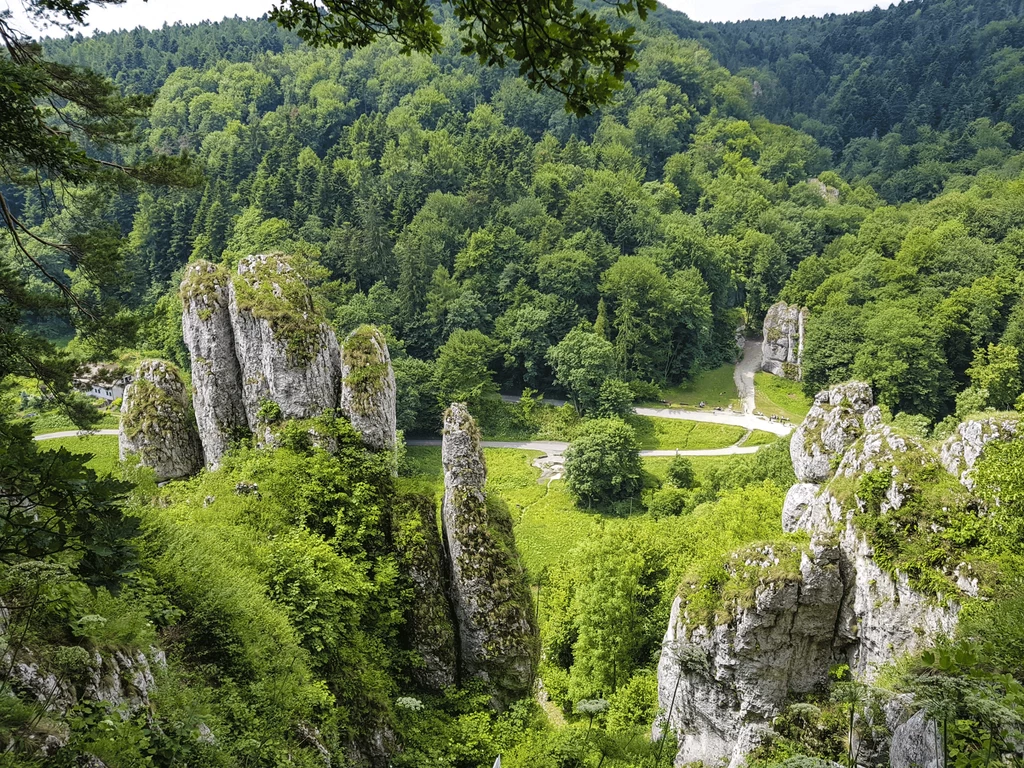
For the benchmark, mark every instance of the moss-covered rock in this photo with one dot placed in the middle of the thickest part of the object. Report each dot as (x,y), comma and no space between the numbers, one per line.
(286,354)
(216,376)
(368,393)
(157,423)
(738,648)
(497,637)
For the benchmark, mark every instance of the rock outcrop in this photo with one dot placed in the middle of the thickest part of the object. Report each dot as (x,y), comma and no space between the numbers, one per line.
(368,393)
(216,376)
(782,349)
(962,449)
(157,423)
(430,628)
(491,602)
(720,683)
(286,355)
(838,417)
(723,678)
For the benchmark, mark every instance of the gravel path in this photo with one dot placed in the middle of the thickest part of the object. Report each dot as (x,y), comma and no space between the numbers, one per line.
(748,365)
(76,433)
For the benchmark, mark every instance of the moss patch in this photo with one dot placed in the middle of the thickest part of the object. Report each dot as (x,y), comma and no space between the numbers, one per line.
(367,370)
(200,284)
(274,292)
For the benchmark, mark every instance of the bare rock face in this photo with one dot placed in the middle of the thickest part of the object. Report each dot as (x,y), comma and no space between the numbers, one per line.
(782,349)
(286,355)
(497,641)
(157,423)
(368,389)
(838,417)
(916,743)
(431,631)
(216,376)
(963,448)
(722,681)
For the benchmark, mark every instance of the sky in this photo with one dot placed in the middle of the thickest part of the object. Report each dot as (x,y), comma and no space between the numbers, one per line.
(154,13)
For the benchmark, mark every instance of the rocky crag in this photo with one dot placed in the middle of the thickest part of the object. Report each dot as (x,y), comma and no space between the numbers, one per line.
(158,426)
(791,610)
(496,636)
(216,376)
(260,352)
(285,353)
(782,348)
(368,392)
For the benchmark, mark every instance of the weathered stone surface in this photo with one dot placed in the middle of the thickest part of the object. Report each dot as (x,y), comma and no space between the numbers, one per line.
(916,744)
(286,355)
(723,682)
(963,448)
(489,595)
(883,616)
(799,506)
(837,418)
(430,627)
(782,349)
(157,423)
(216,376)
(368,392)
(720,684)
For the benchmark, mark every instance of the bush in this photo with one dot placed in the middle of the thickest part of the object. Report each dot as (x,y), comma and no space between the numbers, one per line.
(669,502)
(603,463)
(680,472)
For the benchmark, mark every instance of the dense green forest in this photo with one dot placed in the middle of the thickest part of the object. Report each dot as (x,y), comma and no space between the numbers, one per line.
(473,216)
(866,166)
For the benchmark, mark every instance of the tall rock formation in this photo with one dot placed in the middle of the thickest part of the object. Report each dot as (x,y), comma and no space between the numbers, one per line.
(838,417)
(157,423)
(216,376)
(864,489)
(368,393)
(782,349)
(497,642)
(286,354)
(430,629)
(721,681)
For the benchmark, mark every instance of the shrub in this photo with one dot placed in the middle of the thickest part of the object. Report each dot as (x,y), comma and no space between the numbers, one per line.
(603,463)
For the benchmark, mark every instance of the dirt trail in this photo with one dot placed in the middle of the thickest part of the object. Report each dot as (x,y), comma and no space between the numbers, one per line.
(744,374)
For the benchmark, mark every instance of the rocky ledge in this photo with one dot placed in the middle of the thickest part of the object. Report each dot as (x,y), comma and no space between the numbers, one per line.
(723,676)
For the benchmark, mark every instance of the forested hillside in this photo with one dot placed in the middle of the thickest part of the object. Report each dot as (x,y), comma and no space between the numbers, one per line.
(360,240)
(895,92)
(474,218)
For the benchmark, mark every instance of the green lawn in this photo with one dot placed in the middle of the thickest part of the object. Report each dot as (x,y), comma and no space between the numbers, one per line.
(103,448)
(760,437)
(715,387)
(775,396)
(55,421)
(662,434)
(658,466)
